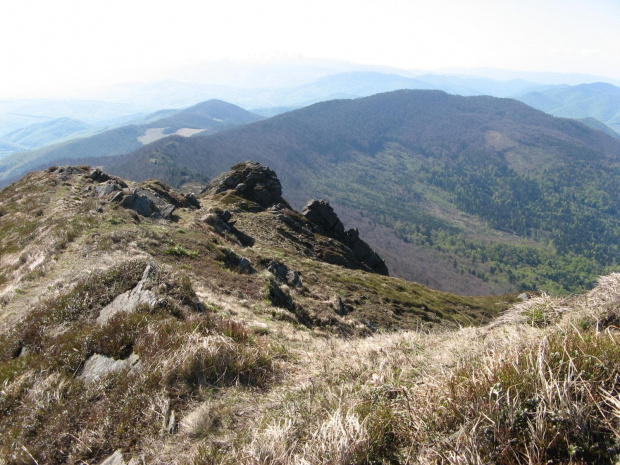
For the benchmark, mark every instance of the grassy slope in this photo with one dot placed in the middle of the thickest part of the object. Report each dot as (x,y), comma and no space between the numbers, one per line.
(247,383)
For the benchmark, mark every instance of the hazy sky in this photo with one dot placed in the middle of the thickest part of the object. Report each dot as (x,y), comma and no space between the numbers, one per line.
(52,47)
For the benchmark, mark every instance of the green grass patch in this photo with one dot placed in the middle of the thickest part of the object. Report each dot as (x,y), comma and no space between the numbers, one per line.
(181,251)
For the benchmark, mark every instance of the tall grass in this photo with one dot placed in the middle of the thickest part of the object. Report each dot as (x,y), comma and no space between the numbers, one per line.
(49,415)
(512,393)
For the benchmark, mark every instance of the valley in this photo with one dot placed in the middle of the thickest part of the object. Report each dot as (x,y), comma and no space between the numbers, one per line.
(319,233)
(509,197)
(138,323)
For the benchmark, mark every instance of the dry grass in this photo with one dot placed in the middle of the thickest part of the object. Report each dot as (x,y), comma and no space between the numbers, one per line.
(511,393)
(185,356)
(234,380)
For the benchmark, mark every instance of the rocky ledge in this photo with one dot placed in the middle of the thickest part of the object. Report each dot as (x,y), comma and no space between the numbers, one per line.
(251,181)
(326,222)
(260,186)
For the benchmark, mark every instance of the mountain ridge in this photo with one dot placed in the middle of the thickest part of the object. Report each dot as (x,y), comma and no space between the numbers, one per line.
(140,324)
(599,100)
(414,161)
(209,116)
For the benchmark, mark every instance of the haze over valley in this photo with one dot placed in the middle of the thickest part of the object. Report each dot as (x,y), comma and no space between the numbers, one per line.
(349,233)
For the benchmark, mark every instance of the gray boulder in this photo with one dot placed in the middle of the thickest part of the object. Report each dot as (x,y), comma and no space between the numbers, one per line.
(128,301)
(99,365)
(107,188)
(139,203)
(283,274)
(249,180)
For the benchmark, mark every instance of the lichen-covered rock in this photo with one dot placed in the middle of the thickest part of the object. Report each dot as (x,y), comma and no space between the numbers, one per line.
(129,301)
(326,222)
(106,188)
(249,180)
(322,215)
(139,203)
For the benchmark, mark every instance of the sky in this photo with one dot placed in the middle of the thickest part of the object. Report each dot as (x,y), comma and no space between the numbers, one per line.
(63,47)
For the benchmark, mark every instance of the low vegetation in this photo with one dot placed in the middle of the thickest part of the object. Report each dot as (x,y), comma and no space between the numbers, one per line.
(258,352)
(508,393)
(186,354)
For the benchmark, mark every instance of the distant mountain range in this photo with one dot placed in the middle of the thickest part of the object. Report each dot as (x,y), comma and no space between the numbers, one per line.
(41,134)
(466,194)
(296,134)
(207,117)
(599,100)
(271,90)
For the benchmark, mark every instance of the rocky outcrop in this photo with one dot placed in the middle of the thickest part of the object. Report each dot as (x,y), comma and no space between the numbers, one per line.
(129,301)
(152,199)
(148,202)
(260,185)
(364,253)
(251,181)
(326,222)
(324,219)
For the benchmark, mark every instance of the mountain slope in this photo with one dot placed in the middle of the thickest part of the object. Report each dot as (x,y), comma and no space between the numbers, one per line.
(8,149)
(129,294)
(599,100)
(596,124)
(490,193)
(207,117)
(140,325)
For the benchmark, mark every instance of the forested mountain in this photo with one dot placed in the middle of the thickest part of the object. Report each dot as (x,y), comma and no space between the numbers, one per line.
(599,100)
(596,124)
(468,194)
(207,117)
